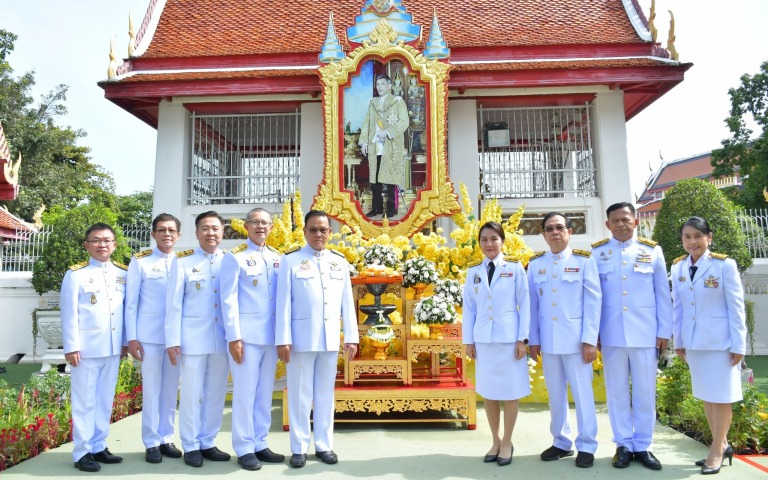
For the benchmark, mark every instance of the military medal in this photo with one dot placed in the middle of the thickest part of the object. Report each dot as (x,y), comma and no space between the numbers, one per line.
(276,265)
(681,279)
(477,279)
(195,270)
(571,270)
(711,282)
(90,280)
(197,285)
(255,282)
(156,269)
(93,298)
(304,265)
(542,271)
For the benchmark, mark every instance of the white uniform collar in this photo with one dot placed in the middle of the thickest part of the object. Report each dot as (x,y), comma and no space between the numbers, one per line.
(626,244)
(311,251)
(564,254)
(202,252)
(95,263)
(253,246)
(495,261)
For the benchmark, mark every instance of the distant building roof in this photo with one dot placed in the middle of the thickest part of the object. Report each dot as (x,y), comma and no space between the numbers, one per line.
(11,225)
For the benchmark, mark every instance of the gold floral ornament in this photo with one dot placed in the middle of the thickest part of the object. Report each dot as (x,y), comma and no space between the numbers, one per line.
(438,198)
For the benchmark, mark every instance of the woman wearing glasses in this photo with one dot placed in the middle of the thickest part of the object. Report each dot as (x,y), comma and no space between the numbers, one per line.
(495,329)
(709,330)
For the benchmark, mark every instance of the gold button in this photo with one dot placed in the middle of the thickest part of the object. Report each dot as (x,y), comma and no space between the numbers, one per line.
(490,318)
(554,289)
(625,309)
(554,304)
(490,308)
(554,318)
(624,262)
(624,293)
(554,275)
(623,277)
(555,262)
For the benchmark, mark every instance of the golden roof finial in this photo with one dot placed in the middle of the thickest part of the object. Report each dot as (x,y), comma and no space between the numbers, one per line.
(671,39)
(651,24)
(765,193)
(131,35)
(112,68)
(37,218)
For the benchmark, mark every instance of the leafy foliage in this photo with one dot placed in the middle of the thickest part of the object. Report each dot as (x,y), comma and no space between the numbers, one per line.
(742,152)
(135,209)
(695,197)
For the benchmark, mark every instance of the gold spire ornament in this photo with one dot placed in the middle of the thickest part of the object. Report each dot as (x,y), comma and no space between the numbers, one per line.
(651,24)
(112,68)
(671,39)
(765,193)
(131,36)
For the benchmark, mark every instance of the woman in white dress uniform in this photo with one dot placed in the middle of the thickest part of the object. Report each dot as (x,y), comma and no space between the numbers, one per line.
(495,326)
(709,329)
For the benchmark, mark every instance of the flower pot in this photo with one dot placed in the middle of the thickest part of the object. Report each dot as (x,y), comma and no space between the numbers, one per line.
(418,290)
(380,349)
(49,327)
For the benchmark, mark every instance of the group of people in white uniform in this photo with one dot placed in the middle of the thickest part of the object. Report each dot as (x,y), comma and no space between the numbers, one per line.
(199,314)
(615,298)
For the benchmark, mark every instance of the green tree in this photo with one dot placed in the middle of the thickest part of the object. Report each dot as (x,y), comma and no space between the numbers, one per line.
(135,209)
(742,152)
(54,169)
(695,197)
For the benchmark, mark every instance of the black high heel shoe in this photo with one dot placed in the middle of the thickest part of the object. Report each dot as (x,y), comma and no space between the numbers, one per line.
(506,461)
(727,453)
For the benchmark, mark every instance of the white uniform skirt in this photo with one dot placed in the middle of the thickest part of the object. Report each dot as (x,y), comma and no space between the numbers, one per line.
(499,375)
(712,376)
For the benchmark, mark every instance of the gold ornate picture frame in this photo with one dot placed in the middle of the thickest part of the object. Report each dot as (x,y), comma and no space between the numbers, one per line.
(411,76)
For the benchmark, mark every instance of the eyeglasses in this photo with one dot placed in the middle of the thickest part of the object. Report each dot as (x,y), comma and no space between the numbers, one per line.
(207,229)
(259,223)
(169,231)
(552,228)
(100,241)
(321,231)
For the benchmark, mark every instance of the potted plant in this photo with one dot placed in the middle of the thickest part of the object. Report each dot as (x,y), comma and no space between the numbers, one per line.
(435,311)
(63,249)
(418,272)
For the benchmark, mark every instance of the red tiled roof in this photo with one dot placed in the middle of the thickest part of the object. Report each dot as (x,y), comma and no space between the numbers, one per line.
(699,166)
(236,27)
(11,222)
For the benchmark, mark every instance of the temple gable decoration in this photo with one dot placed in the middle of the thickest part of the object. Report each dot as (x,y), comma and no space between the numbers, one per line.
(384,109)
(9,170)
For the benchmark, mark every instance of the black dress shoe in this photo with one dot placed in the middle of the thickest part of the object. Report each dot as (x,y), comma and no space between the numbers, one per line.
(249,461)
(490,458)
(391,214)
(153,455)
(215,455)
(621,458)
(554,453)
(169,450)
(373,213)
(193,458)
(649,460)
(585,460)
(105,456)
(505,461)
(269,456)
(327,457)
(298,460)
(87,464)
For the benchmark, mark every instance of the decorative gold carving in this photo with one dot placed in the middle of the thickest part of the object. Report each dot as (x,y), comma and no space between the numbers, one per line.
(379,406)
(364,368)
(671,39)
(131,36)
(651,24)
(432,202)
(414,349)
(112,68)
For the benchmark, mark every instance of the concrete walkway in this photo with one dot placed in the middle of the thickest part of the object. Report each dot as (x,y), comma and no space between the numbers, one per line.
(399,451)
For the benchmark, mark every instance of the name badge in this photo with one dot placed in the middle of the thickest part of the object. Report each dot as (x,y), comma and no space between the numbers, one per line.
(571,270)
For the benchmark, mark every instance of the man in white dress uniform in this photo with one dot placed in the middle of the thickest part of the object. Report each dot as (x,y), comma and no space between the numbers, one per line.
(194,337)
(314,302)
(635,325)
(248,288)
(92,294)
(565,319)
(145,331)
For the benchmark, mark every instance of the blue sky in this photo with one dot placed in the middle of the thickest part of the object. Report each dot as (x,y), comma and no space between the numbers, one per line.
(68,42)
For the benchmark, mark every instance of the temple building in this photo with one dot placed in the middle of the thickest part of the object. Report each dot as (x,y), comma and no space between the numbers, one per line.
(538,96)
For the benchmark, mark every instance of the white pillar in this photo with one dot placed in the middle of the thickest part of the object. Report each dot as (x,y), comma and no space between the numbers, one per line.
(172,166)
(463,165)
(312,152)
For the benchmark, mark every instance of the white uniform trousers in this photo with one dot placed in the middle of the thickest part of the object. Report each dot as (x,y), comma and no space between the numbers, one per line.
(201,404)
(93,383)
(632,420)
(311,379)
(254,381)
(159,389)
(560,371)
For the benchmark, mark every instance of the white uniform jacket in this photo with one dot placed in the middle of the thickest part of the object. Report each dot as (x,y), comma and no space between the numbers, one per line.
(499,312)
(92,295)
(193,318)
(565,301)
(145,296)
(708,313)
(314,300)
(637,304)
(248,289)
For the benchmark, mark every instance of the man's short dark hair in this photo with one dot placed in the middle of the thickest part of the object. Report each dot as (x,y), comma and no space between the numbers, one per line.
(209,214)
(99,226)
(165,217)
(385,77)
(257,210)
(315,213)
(619,206)
(568,223)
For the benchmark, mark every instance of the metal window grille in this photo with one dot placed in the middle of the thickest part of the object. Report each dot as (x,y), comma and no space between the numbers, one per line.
(543,152)
(244,158)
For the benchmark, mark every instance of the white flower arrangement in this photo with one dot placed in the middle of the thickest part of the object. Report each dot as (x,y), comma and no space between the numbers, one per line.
(419,270)
(451,290)
(434,310)
(381,255)
(380,333)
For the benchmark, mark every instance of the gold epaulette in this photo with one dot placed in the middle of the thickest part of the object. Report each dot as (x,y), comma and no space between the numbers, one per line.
(474,264)
(78,266)
(645,241)
(292,250)
(184,253)
(338,253)
(601,242)
(143,253)
(719,256)
(582,253)
(510,259)
(679,259)
(273,249)
(239,248)
(537,255)
(119,265)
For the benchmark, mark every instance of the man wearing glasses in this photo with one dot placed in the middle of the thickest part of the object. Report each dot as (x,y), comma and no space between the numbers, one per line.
(194,337)
(248,284)
(635,325)
(144,328)
(565,319)
(91,304)
(314,301)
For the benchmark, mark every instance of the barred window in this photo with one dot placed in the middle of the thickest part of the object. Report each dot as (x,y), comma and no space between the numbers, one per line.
(543,152)
(244,158)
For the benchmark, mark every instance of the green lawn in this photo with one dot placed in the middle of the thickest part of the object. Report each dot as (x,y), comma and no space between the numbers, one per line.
(760,366)
(18,373)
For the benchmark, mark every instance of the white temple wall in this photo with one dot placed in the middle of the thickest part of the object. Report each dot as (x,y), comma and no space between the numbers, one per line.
(18,299)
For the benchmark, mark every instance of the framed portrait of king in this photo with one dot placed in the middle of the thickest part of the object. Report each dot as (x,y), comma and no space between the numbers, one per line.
(384,108)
